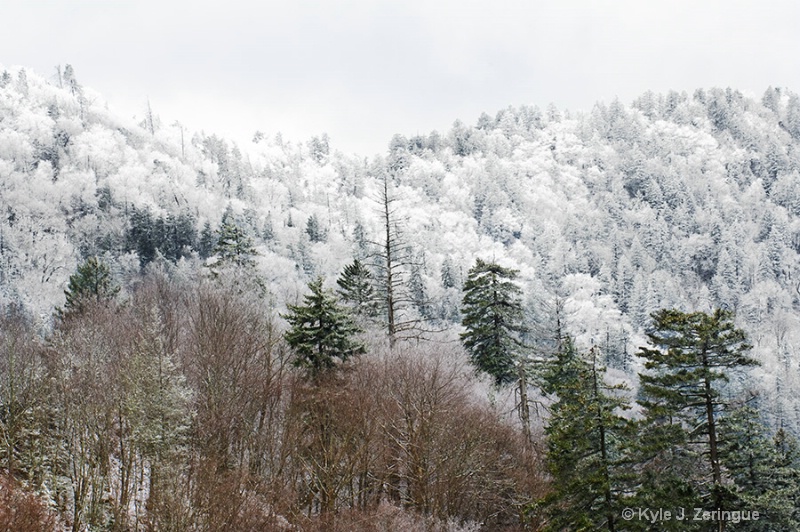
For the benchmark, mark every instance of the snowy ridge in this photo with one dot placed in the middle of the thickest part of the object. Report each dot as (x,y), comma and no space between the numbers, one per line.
(687,201)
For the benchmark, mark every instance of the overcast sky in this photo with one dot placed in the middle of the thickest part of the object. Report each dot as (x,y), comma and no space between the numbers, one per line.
(363,70)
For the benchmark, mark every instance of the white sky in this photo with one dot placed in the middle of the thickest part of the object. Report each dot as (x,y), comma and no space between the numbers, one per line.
(363,70)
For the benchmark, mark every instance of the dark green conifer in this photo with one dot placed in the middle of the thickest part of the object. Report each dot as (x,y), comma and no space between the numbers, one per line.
(143,235)
(207,242)
(765,470)
(234,246)
(692,357)
(314,229)
(321,332)
(586,441)
(92,283)
(493,319)
(180,236)
(356,289)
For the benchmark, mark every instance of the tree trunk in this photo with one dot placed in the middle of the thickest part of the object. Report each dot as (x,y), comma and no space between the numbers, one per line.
(524,407)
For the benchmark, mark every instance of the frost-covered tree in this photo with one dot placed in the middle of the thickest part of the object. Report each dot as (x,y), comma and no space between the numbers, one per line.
(154,410)
(314,230)
(70,81)
(392,260)
(418,291)
(319,148)
(448,274)
(22,82)
(234,246)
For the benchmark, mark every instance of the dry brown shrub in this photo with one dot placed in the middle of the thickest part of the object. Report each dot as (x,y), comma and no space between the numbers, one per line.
(452,455)
(405,430)
(22,511)
(384,518)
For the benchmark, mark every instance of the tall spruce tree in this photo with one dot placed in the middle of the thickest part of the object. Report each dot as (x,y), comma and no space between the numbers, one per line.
(92,283)
(493,319)
(586,442)
(356,289)
(321,332)
(688,365)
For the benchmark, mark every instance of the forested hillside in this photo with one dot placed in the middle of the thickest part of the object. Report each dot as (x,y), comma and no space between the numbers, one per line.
(677,200)
(685,201)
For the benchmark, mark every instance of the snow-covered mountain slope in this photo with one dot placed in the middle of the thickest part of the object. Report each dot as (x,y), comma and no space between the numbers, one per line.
(688,201)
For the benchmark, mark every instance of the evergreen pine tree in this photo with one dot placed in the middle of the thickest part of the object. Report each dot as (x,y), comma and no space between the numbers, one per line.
(91,283)
(586,439)
(207,242)
(786,468)
(321,332)
(447,274)
(492,316)
(418,292)
(234,246)
(314,230)
(268,233)
(142,235)
(356,289)
(180,236)
(764,470)
(691,358)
